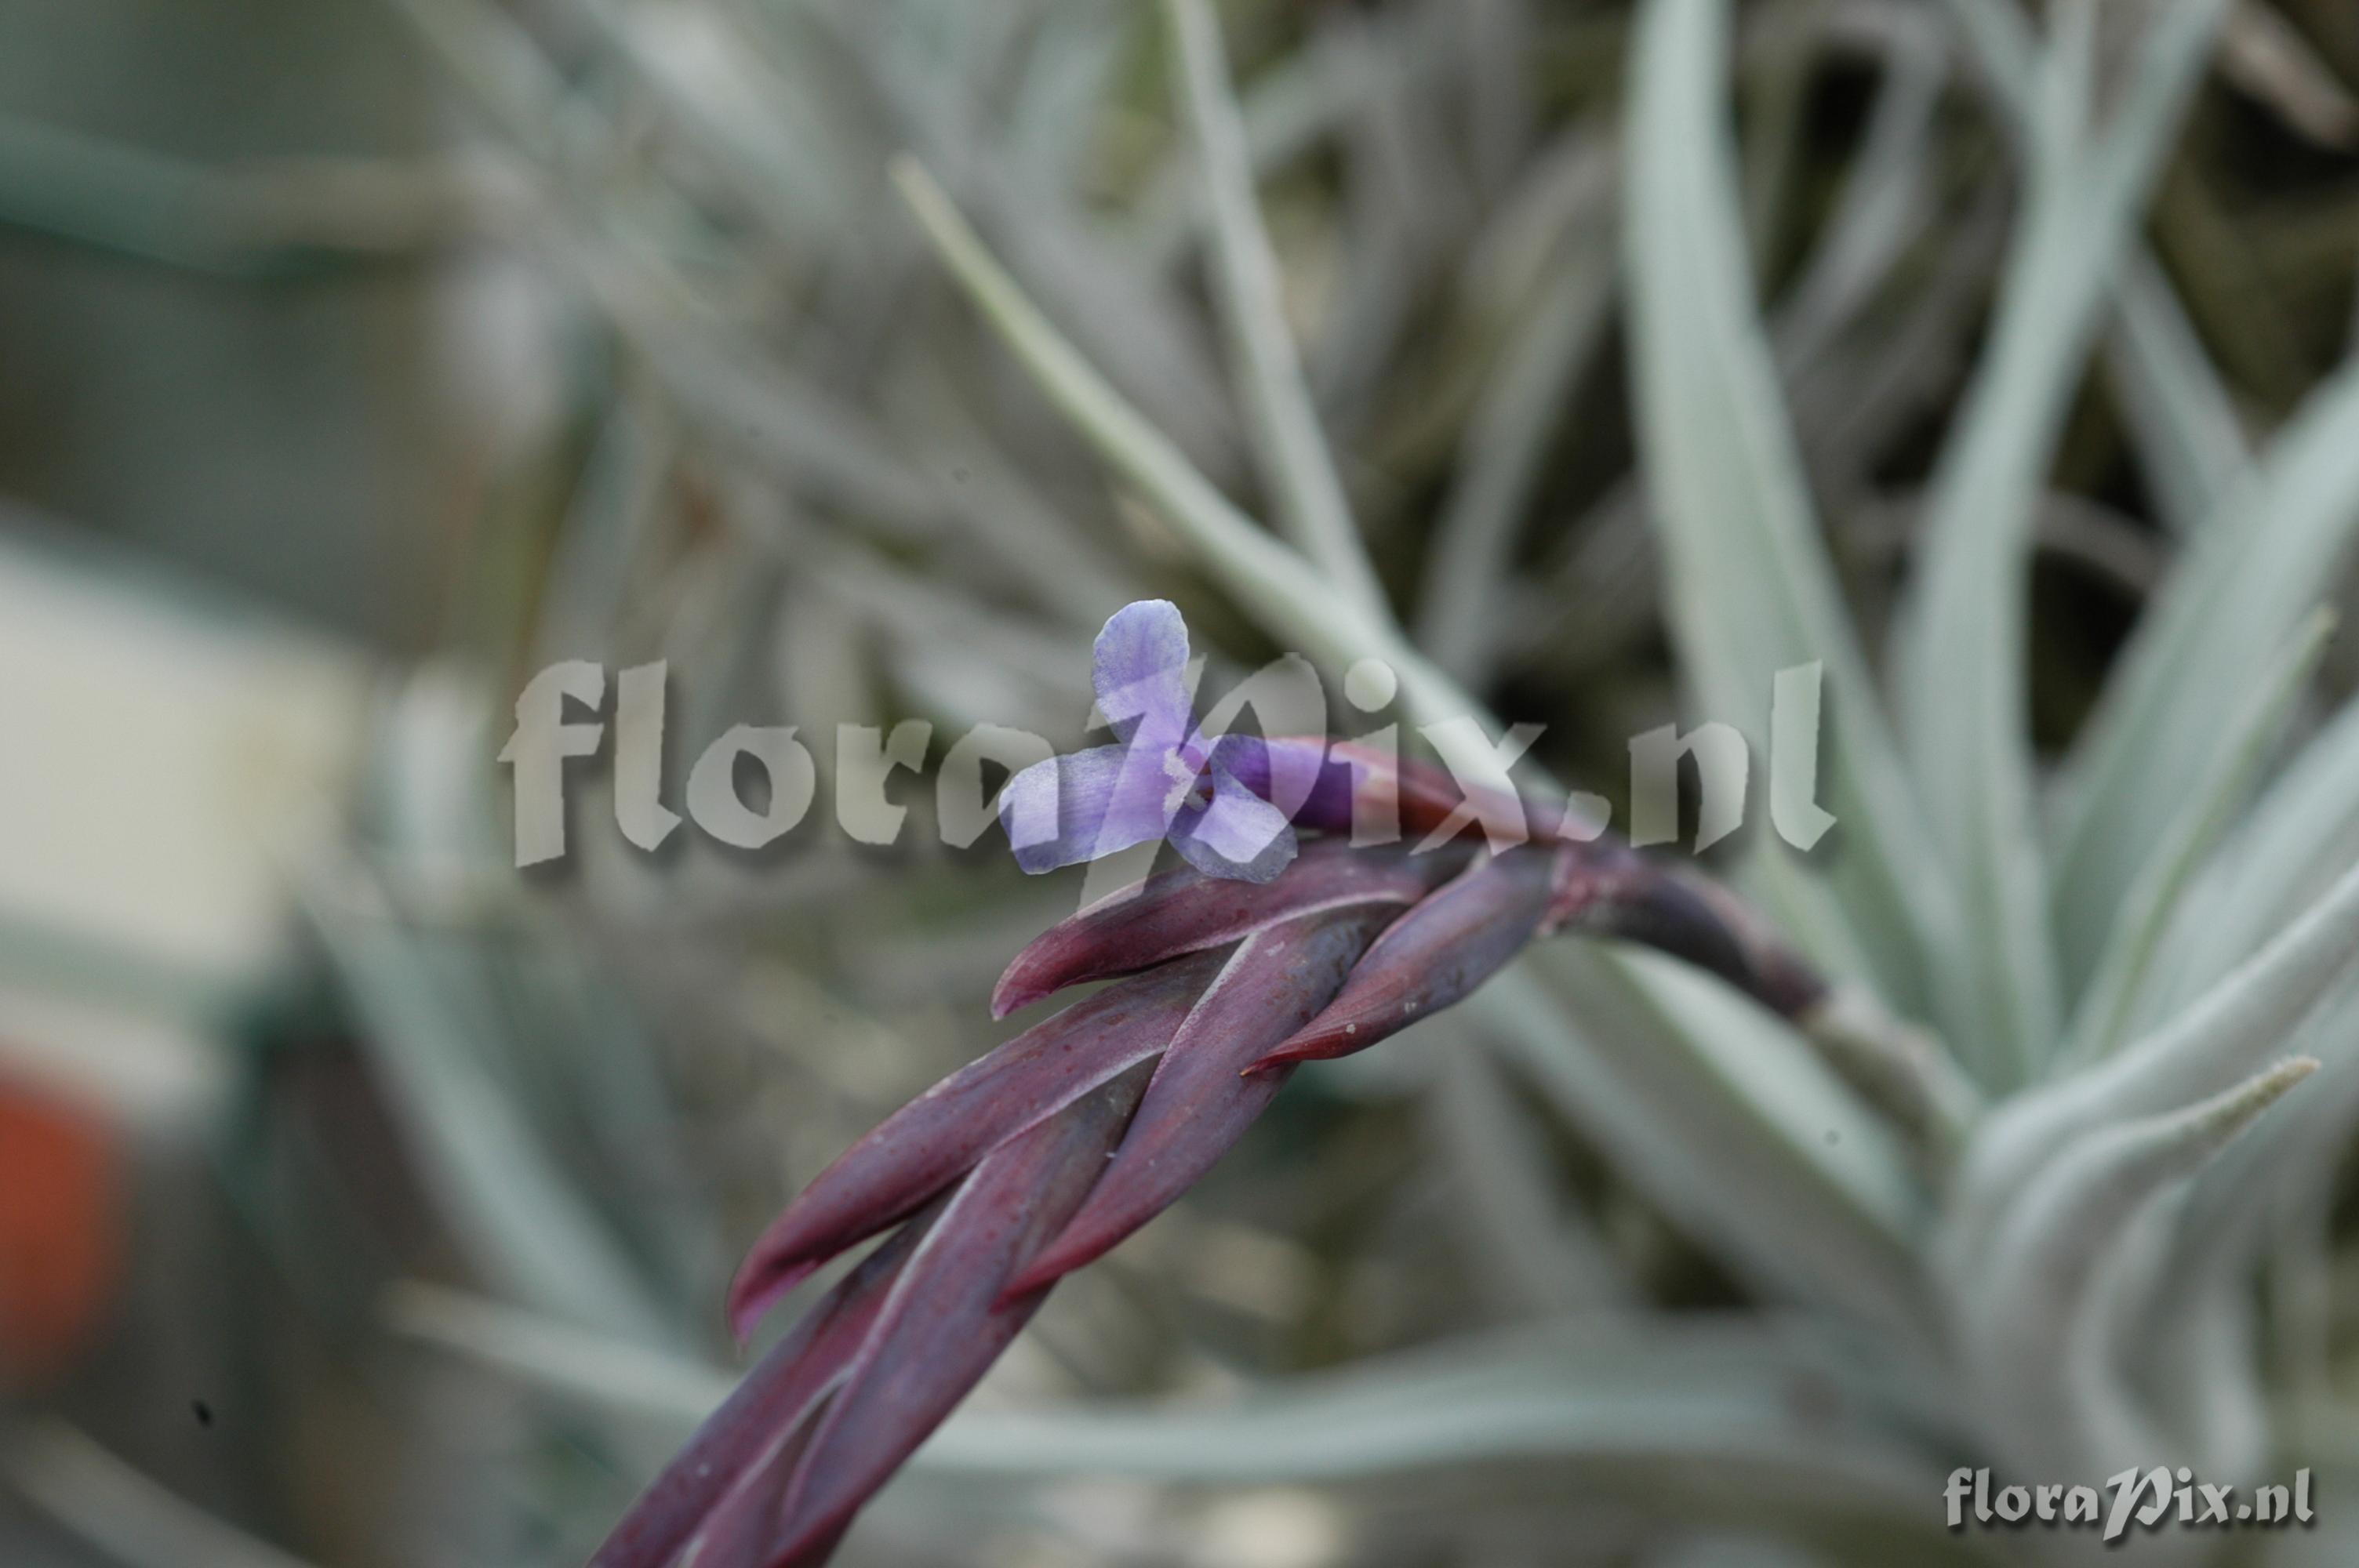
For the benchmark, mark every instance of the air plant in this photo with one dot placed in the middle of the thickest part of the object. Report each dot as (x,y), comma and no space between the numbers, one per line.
(1041,1156)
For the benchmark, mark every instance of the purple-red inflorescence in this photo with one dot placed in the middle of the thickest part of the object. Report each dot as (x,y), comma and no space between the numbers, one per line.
(1043,1154)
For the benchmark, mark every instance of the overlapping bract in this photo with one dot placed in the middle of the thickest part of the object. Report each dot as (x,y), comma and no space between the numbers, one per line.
(1043,1154)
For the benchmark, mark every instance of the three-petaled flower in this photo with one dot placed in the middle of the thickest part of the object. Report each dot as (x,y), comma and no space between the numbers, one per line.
(1162,778)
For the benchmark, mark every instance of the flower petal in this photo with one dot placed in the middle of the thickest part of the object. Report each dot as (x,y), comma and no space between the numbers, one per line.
(1416,796)
(1199,1102)
(929,1143)
(1292,774)
(1431,956)
(1140,673)
(1083,806)
(1237,835)
(1184,911)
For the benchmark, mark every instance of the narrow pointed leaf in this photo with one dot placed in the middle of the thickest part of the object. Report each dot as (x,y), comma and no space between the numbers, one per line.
(1289,447)
(2189,438)
(1280,590)
(927,1144)
(2189,442)
(1632,1410)
(2139,924)
(2201,647)
(1750,588)
(2028,1299)
(1200,1100)
(1507,441)
(2289,847)
(1963,641)
(2222,1037)
(1886,196)
(1719,1115)
(1531,1240)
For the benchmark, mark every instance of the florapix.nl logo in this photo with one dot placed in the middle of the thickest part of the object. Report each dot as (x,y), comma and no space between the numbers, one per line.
(752,784)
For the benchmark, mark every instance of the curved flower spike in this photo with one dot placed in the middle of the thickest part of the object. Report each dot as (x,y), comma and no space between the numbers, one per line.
(1199,1101)
(771,1409)
(1183,911)
(1431,956)
(932,1142)
(1610,890)
(1041,1155)
(949,1314)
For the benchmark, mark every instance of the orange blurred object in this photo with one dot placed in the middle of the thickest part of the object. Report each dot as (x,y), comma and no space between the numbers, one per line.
(61,1242)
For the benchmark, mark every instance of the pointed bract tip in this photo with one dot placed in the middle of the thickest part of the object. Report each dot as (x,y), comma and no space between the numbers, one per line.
(754,1292)
(1315,1044)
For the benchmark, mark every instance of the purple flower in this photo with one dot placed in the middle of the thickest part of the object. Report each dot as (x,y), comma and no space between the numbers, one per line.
(1163,778)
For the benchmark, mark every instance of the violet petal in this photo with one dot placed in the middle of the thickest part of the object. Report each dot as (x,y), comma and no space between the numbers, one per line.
(1292,774)
(1080,807)
(1236,836)
(1140,670)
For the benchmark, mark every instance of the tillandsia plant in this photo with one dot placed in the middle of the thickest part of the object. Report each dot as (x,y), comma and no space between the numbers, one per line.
(1042,1155)
(1974,1120)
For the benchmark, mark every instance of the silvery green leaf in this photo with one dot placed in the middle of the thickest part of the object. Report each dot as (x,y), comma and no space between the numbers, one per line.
(2189,439)
(665,1388)
(2220,1038)
(1506,441)
(1722,1118)
(1131,320)
(2208,1383)
(129,1517)
(1525,1233)
(1290,448)
(1287,109)
(2125,970)
(2025,1302)
(1632,1413)
(1885,196)
(1067,76)
(1962,638)
(2191,443)
(2186,1312)
(523,1221)
(776,141)
(2200,649)
(1607,1399)
(1751,590)
(2229,1214)
(2297,837)
(1281,589)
